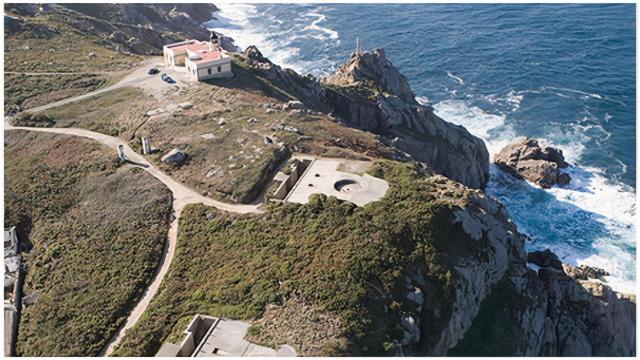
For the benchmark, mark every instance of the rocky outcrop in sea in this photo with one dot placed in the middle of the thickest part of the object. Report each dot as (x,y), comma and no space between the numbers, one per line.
(556,311)
(525,159)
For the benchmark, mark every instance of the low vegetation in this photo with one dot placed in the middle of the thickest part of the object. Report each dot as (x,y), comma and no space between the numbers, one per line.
(116,112)
(51,55)
(51,43)
(343,261)
(97,231)
(29,91)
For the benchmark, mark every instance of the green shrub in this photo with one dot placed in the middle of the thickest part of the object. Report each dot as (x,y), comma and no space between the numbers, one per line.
(347,260)
(34,120)
(97,234)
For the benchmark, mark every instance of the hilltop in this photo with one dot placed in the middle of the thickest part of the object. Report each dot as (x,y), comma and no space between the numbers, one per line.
(434,268)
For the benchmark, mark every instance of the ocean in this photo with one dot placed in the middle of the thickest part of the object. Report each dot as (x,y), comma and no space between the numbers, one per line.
(564,74)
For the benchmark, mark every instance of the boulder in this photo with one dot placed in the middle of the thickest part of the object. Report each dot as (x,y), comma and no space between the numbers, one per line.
(544,259)
(293,105)
(175,157)
(527,160)
(207,136)
(585,272)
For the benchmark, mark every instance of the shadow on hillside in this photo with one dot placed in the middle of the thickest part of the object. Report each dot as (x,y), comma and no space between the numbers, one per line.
(244,80)
(142,165)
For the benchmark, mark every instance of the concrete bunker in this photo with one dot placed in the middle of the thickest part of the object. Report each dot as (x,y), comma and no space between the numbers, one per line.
(208,336)
(310,176)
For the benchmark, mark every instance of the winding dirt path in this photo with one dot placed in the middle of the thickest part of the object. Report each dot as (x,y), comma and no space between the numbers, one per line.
(182,196)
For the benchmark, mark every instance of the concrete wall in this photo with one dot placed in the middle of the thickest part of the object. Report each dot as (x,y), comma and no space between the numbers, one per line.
(173,59)
(196,330)
(297,168)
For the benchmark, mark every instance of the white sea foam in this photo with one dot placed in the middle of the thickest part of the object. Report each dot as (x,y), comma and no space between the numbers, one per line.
(456,78)
(590,221)
(478,122)
(423,100)
(247,26)
(319,19)
(592,95)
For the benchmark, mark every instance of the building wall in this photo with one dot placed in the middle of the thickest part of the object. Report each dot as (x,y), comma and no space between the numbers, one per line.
(173,59)
(225,71)
(178,59)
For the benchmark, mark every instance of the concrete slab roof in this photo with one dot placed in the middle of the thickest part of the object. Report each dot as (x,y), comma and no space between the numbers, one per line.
(323,177)
(227,339)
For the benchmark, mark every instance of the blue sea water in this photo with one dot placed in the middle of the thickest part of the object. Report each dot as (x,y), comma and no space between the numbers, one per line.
(562,73)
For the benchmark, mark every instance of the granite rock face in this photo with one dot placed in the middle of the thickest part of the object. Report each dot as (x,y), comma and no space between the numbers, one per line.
(586,317)
(560,310)
(373,66)
(369,93)
(563,312)
(488,244)
(527,160)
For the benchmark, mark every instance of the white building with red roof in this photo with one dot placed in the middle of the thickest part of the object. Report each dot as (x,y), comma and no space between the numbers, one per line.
(202,60)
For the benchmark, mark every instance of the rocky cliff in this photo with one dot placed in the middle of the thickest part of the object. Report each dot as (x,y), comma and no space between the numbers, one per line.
(369,93)
(133,28)
(498,305)
(501,307)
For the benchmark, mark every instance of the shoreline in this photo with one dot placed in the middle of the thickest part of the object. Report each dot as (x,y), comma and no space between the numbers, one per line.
(585,198)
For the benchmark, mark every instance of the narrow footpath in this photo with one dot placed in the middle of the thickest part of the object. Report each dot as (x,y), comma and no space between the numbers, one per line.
(182,196)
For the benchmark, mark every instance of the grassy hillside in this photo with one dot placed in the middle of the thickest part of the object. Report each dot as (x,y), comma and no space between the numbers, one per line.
(97,231)
(52,43)
(224,133)
(35,90)
(327,262)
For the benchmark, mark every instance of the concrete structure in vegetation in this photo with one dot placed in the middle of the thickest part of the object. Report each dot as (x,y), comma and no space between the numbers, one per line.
(13,279)
(321,176)
(208,336)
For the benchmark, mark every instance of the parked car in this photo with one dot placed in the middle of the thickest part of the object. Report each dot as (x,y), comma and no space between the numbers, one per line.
(153,71)
(167,79)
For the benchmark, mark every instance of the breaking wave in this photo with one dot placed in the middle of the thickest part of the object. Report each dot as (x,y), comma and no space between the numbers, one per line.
(280,41)
(590,221)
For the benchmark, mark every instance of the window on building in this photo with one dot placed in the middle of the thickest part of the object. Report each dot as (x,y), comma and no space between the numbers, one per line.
(219,68)
(209,71)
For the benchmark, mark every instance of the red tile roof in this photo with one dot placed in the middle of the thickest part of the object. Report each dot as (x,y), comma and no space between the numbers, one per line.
(201,48)
(206,56)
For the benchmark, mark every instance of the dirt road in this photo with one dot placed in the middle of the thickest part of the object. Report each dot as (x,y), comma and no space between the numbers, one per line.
(182,196)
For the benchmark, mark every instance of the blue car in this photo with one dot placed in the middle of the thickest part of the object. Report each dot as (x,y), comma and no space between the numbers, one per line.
(167,79)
